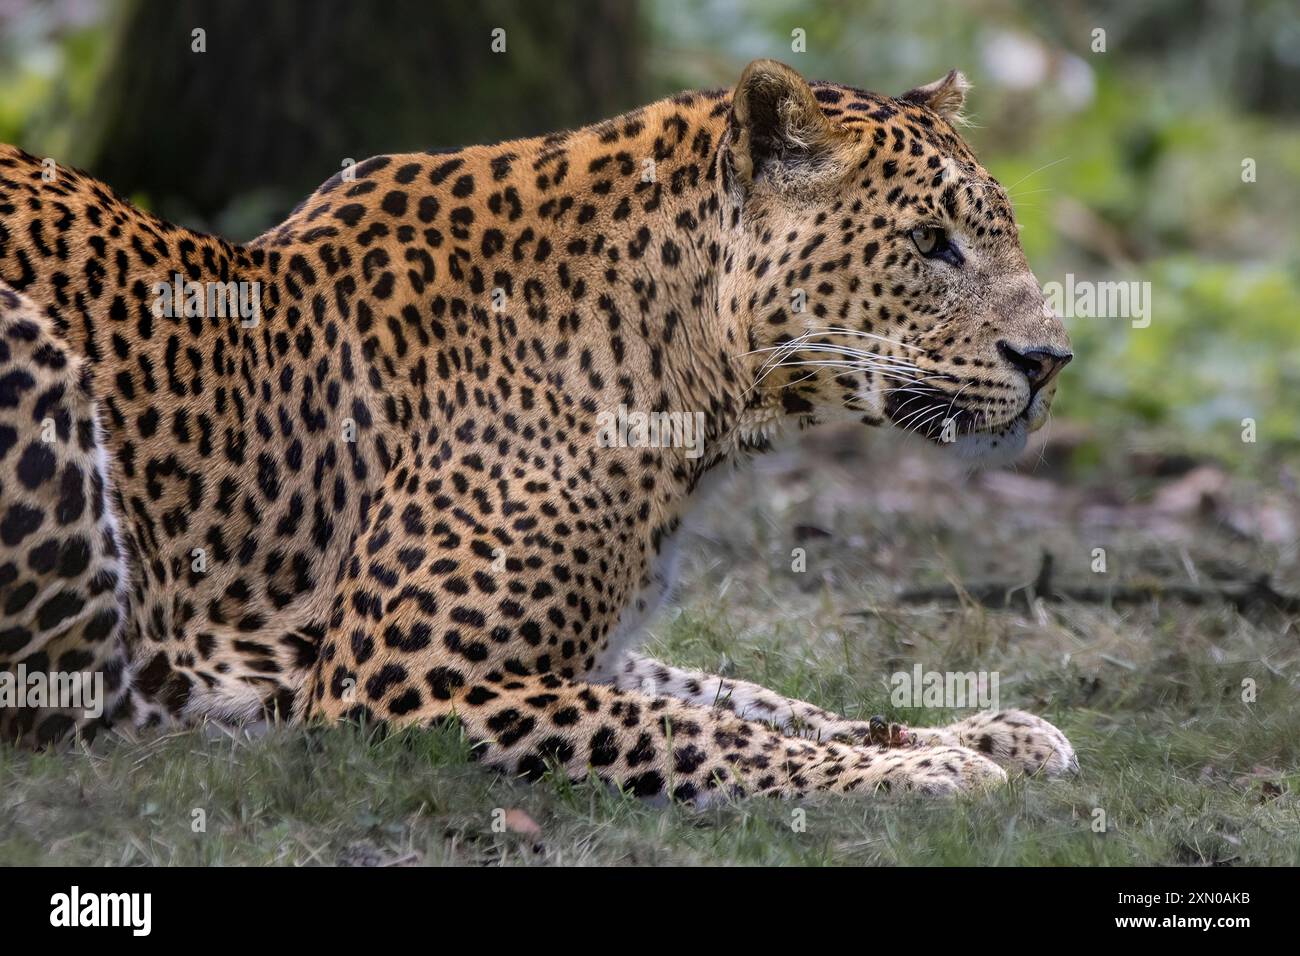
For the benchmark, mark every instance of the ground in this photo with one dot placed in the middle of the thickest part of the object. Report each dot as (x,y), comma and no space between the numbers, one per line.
(1150,694)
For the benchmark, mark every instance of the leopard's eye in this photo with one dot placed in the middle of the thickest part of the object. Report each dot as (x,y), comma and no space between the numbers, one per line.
(928,239)
(933,243)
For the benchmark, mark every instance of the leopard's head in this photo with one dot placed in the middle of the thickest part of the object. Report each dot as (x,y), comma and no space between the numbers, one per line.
(877,266)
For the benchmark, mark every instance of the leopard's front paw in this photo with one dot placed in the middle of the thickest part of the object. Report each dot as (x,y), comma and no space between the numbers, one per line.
(884,733)
(1019,741)
(874,732)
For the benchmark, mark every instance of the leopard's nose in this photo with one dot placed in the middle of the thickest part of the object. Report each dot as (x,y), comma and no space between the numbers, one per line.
(1040,365)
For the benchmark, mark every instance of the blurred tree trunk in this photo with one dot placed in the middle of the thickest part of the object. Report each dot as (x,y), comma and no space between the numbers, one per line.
(286,91)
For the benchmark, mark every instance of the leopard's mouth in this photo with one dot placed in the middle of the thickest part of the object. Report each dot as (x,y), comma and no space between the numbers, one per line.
(932,413)
(935,415)
(1038,407)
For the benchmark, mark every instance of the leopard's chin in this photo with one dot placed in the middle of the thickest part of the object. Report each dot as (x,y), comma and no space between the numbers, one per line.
(999,446)
(989,449)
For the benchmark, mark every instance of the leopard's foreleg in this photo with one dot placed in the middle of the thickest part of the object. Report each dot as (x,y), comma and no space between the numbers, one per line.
(1018,741)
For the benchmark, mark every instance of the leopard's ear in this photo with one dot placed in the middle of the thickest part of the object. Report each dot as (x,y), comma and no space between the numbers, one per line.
(945,96)
(777,126)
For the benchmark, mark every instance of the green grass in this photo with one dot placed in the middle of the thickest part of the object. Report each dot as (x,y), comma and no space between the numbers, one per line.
(1184,770)
(304,796)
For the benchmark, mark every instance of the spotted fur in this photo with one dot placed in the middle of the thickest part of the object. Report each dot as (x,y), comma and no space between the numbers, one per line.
(388,496)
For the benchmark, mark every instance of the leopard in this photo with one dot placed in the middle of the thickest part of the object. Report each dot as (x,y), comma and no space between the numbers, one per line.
(355,469)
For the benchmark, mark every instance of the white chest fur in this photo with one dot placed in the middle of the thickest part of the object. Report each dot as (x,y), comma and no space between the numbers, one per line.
(630,631)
